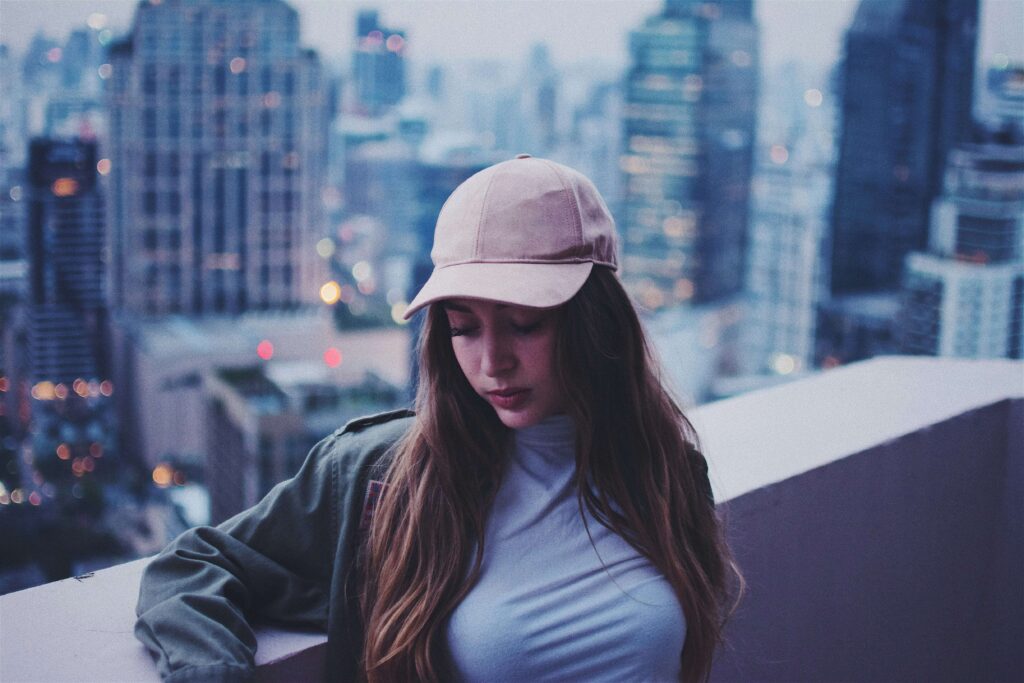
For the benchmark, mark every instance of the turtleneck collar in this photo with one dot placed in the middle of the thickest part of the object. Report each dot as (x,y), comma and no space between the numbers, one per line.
(555,431)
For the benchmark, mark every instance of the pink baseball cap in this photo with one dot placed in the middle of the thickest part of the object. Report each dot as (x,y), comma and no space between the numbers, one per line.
(526,231)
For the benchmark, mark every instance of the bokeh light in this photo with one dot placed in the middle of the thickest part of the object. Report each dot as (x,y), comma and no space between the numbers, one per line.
(330,292)
(813,97)
(325,247)
(163,475)
(265,349)
(779,154)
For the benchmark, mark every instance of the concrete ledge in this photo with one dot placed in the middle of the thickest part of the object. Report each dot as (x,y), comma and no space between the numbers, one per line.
(899,563)
(81,630)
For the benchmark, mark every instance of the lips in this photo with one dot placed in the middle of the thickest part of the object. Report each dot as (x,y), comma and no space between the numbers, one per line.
(508,398)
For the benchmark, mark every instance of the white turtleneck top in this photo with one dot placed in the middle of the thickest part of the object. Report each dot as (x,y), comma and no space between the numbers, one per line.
(545,607)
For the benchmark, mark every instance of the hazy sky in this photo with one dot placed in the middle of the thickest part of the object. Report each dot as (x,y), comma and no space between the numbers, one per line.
(575,30)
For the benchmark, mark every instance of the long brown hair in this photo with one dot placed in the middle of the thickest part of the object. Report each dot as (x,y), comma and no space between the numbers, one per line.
(638,473)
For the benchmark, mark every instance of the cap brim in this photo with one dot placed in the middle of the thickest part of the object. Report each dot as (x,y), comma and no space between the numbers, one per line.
(539,285)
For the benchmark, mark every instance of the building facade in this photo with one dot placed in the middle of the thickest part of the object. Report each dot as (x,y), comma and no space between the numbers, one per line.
(378,64)
(784,276)
(261,422)
(688,125)
(66,303)
(965,296)
(906,96)
(217,129)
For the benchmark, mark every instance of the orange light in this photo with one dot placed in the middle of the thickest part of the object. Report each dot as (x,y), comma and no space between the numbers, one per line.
(106,387)
(63,452)
(265,350)
(162,475)
(394,42)
(81,387)
(103,166)
(330,293)
(61,391)
(237,65)
(332,357)
(64,187)
(43,391)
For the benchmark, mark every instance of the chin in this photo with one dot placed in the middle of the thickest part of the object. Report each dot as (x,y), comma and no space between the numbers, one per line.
(518,420)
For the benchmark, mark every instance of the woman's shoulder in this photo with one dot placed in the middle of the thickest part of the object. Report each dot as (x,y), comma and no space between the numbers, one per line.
(381,425)
(366,441)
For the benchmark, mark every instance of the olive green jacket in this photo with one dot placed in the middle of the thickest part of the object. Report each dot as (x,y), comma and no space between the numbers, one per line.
(290,560)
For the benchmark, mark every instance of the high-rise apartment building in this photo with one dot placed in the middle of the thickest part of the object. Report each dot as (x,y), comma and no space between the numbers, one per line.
(65,302)
(688,121)
(217,130)
(788,223)
(1005,96)
(906,99)
(965,296)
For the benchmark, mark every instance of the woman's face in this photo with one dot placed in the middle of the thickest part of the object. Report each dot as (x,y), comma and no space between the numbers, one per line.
(507,353)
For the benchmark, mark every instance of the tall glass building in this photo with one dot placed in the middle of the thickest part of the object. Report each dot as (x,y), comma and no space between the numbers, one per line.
(688,124)
(66,303)
(906,95)
(217,130)
(378,64)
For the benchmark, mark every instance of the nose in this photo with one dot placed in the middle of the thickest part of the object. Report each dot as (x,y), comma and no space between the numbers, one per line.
(497,356)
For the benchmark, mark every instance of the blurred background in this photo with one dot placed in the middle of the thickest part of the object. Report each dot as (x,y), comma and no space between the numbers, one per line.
(214,212)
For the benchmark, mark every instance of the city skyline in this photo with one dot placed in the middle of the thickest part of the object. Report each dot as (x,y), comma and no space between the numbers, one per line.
(809,31)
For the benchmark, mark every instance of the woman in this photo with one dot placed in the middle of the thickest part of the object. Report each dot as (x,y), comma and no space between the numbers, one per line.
(543,515)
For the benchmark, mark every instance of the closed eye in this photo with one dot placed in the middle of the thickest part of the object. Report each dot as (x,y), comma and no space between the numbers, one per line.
(460,331)
(527,329)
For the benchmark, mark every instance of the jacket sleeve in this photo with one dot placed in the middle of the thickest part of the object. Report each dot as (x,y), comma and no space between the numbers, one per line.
(273,561)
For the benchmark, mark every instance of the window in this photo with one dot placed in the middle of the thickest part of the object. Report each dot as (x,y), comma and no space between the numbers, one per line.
(149,122)
(149,79)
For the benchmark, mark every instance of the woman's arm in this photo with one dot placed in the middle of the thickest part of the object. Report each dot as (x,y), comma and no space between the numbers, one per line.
(274,560)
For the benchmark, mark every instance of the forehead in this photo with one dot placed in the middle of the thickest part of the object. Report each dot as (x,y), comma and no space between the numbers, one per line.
(480,307)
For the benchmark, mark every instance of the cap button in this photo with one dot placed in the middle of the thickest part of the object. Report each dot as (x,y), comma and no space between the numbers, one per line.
(522,156)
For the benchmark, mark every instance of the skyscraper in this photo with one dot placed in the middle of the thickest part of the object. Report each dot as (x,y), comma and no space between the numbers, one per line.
(788,221)
(66,306)
(378,64)
(906,101)
(690,108)
(217,129)
(965,296)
